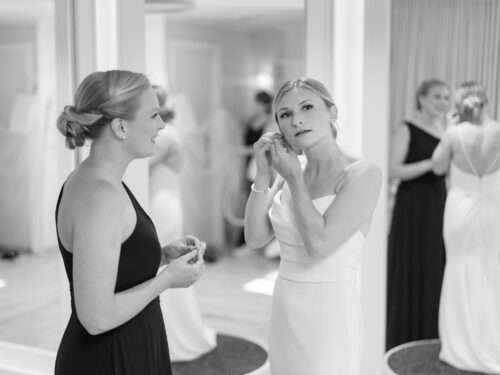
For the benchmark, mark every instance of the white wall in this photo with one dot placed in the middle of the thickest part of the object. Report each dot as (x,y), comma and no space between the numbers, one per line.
(375,137)
(244,54)
(156,54)
(235,61)
(17,63)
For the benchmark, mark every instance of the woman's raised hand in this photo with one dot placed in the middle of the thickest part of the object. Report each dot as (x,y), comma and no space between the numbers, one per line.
(184,270)
(181,246)
(262,149)
(284,160)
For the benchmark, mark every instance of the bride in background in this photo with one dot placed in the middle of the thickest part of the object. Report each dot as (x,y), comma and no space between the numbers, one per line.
(188,337)
(469,315)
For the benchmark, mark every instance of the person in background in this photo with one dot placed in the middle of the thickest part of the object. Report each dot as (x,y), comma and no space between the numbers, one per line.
(469,323)
(258,124)
(188,337)
(415,247)
(108,243)
(260,121)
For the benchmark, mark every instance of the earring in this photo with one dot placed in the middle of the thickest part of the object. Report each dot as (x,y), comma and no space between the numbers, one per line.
(334,129)
(123,129)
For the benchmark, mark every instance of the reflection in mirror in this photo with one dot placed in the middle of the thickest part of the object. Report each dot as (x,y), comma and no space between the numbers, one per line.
(213,60)
(429,307)
(32,162)
(217,65)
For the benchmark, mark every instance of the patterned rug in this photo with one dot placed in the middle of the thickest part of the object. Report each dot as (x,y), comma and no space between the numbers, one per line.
(232,356)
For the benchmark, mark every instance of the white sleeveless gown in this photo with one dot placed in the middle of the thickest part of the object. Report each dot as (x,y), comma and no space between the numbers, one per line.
(316,319)
(469,316)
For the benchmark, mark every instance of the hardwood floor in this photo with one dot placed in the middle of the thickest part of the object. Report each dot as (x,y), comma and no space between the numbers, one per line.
(32,299)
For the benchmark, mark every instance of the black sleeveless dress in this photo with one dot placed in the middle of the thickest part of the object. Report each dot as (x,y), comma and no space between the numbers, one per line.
(416,254)
(137,347)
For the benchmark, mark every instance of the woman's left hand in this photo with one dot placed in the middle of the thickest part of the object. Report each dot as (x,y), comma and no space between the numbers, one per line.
(182,246)
(284,160)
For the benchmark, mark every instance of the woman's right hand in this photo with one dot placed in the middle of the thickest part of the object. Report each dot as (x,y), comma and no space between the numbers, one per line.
(183,271)
(262,149)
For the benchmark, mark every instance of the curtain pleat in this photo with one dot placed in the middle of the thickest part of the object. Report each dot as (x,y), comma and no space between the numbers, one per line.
(453,40)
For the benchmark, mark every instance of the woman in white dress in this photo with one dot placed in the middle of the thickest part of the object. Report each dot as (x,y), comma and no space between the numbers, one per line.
(320,215)
(469,316)
(188,337)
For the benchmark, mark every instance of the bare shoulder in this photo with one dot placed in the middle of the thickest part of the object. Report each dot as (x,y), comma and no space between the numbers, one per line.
(401,132)
(97,198)
(451,131)
(365,169)
(364,175)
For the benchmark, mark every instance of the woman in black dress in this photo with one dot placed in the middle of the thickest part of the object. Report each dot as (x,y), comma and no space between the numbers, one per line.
(108,243)
(416,248)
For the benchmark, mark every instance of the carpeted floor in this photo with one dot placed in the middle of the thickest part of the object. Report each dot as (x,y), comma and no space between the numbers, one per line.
(422,359)
(232,356)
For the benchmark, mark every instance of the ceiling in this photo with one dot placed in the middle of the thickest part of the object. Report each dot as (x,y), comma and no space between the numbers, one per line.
(239,14)
(248,12)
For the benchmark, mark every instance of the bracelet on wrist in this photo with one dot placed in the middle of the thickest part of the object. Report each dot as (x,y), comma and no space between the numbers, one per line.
(252,187)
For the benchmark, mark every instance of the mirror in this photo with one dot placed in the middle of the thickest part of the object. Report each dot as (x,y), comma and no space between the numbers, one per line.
(231,52)
(211,62)
(31,166)
(436,46)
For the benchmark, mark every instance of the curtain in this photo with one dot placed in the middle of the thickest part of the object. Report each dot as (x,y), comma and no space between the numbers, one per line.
(452,40)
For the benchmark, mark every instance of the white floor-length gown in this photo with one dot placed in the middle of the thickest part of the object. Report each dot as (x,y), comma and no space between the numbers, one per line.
(188,337)
(316,319)
(469,316)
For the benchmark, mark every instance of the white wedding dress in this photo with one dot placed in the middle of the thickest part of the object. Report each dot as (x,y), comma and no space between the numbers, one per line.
(188,337)
(316,319)
(469,316)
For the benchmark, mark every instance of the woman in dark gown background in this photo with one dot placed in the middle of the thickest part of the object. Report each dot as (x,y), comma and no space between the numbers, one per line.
(416,254)
(108,243)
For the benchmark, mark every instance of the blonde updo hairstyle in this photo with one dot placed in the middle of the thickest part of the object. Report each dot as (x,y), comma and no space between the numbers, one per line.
(101,97)
(470,100)
(312,85)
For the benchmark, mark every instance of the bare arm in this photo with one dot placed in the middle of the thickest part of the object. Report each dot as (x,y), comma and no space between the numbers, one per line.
(98,232)
(441,158)
(399,149)
(257,227)
(352,208)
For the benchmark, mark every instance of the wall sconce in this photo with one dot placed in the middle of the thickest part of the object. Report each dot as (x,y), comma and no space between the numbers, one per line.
(264,81)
